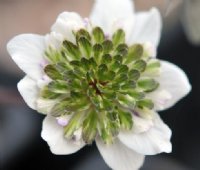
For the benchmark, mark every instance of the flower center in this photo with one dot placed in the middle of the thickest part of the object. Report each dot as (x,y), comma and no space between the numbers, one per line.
(99,82)
(94,85)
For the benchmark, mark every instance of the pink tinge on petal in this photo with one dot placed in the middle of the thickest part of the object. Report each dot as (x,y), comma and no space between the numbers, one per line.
(107,36)
(163,98)
(163,102)
(62,121)
(86,22)
(44,63)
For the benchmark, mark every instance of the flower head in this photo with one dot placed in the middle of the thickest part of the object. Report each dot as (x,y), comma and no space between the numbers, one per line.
(97,79)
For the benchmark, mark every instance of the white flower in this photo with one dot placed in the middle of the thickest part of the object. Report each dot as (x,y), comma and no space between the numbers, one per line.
(139,131)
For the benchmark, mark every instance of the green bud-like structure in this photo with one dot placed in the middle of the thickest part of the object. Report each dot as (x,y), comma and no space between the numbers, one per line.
(99,82)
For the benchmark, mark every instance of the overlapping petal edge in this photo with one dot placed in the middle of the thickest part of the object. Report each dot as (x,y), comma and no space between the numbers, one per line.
(149,136)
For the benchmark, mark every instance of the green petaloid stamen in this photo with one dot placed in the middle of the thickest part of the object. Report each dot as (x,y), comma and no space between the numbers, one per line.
(99,82)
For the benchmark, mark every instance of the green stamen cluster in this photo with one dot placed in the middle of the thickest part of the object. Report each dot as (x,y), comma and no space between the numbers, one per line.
(99,82)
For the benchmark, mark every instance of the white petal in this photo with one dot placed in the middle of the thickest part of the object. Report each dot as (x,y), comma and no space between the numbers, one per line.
(66,23)
(141,124)
(45,105)
(153,141)
(174,85)
(119,157)
(53,134)
(54,40)
(29,91)
(27,51)
(147,27)
(112,13)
